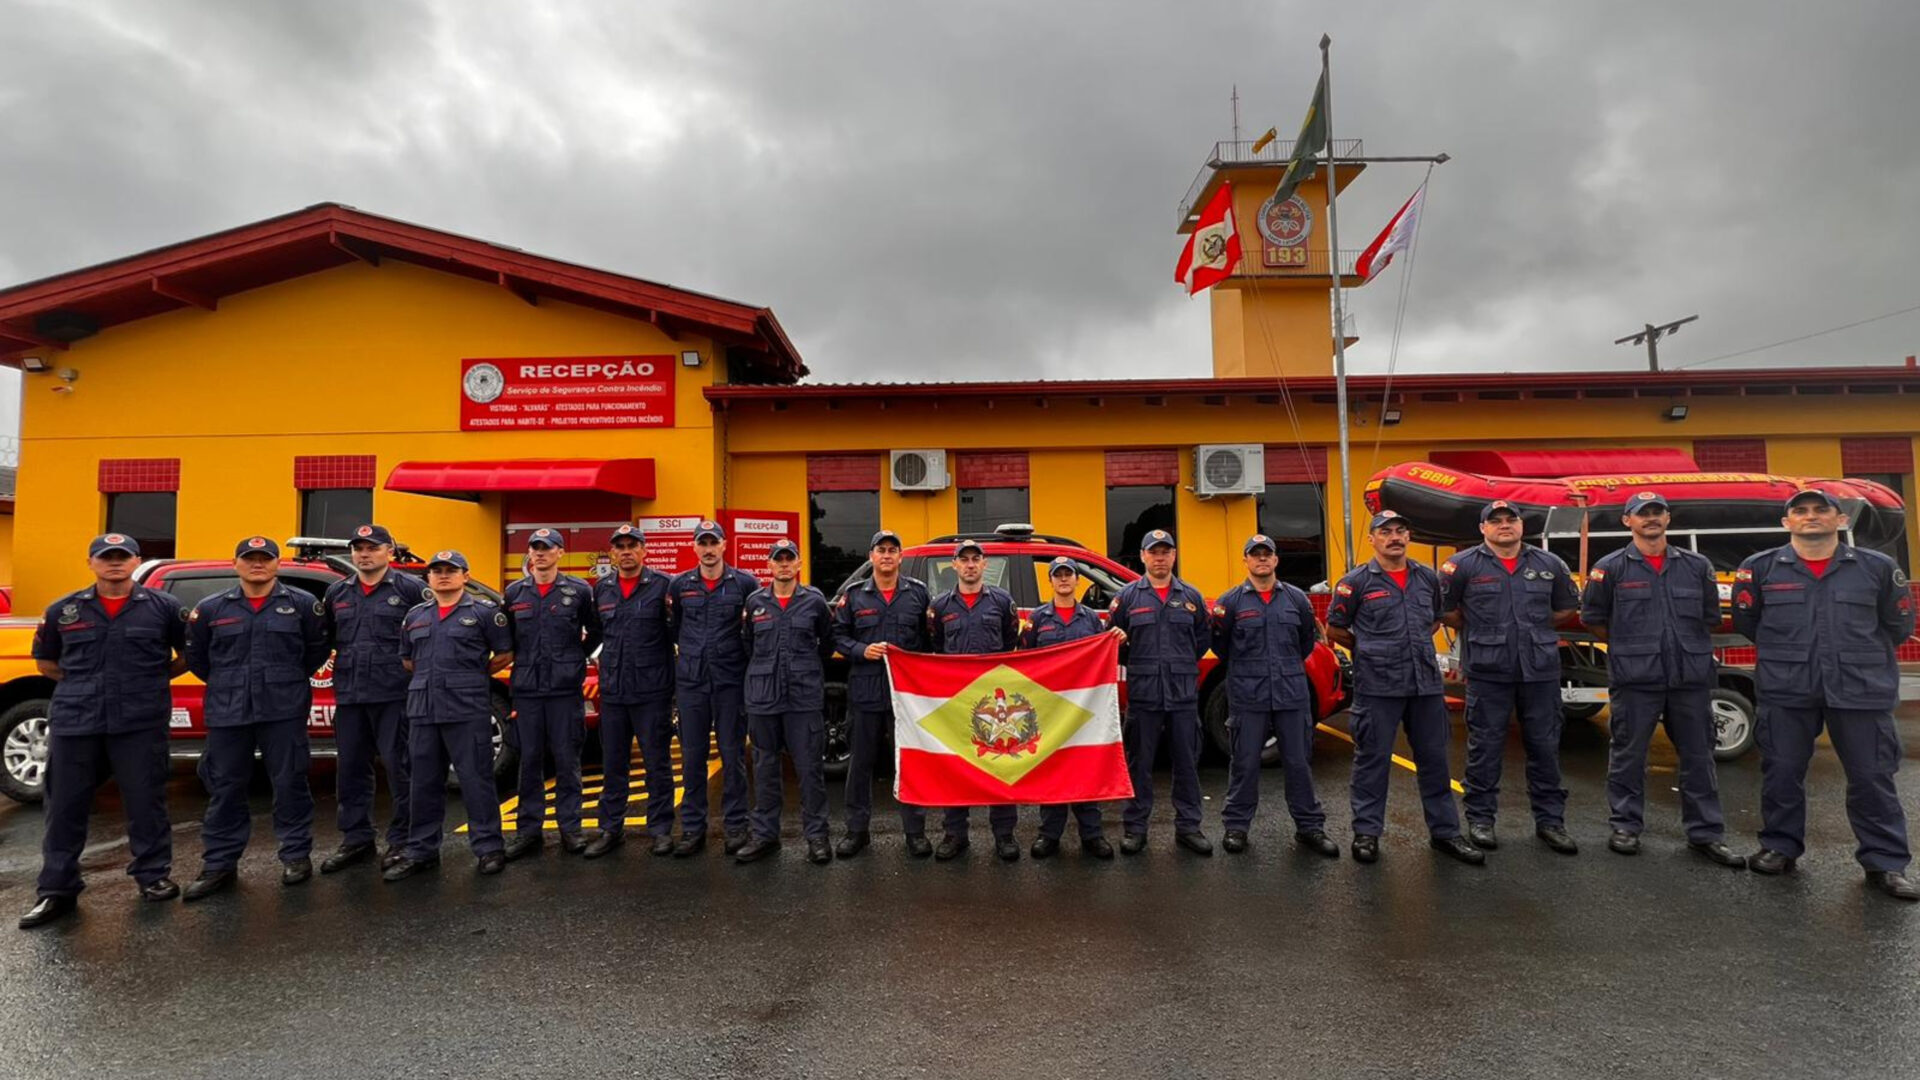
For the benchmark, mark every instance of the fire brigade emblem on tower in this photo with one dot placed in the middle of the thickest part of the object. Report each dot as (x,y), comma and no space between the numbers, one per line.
(1285,227)
(1005,726)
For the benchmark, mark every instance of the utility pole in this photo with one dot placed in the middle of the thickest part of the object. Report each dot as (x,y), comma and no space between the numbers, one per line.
(1651,335)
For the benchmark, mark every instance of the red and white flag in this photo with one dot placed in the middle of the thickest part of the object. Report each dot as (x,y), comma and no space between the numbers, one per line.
(1041,726)
(1397,236)
(1213,250)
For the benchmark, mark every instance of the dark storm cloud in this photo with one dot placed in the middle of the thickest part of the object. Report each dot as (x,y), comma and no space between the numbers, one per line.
(988,190)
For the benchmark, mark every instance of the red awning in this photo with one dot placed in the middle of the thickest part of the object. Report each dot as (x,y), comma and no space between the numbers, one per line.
(473,479)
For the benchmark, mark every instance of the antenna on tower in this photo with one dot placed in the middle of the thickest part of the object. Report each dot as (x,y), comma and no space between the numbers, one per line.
(1236,112)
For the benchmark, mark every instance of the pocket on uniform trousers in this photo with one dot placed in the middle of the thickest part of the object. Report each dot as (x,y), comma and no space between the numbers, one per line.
(1887,750)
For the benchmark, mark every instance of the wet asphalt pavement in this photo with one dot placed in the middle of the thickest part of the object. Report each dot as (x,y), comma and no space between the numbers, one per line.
(1272,963)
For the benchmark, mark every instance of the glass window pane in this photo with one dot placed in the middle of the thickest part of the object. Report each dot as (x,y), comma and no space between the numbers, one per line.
(148,517)
(840,523)
(1295,516)
(983,510)
(941,577)
(333,513)
(1132,512)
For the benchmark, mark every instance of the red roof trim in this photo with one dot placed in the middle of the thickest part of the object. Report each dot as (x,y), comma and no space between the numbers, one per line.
(1651,384)
(473,479)
(328,235)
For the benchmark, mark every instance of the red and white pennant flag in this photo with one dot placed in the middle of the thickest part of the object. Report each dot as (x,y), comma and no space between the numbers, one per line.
(1397,236)
(1041,726)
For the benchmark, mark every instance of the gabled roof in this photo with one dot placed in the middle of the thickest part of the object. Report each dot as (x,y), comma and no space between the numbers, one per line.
(53,311)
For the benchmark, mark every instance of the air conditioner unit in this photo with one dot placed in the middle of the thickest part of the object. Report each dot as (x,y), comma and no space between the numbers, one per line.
(1230,469)
(920,470)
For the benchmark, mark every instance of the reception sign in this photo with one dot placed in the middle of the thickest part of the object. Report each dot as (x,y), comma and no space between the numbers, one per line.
(569,392)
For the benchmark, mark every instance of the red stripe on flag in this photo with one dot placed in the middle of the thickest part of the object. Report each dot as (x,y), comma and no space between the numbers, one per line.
(1076,665)
(1070,774)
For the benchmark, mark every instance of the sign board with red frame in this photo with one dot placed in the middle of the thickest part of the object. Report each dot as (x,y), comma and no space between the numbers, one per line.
(566,393)
(750,537)
(670,543)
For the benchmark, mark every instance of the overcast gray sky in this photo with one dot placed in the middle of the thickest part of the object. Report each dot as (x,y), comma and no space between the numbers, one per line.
(954,191)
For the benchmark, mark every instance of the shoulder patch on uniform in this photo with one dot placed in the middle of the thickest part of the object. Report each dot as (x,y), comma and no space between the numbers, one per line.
(194,615)
(1190,607)
(1343,589)
(499,618)
(1899,578)
(1743,574)
(1219,609)
(319,607)
(1599,574)
(1448,567)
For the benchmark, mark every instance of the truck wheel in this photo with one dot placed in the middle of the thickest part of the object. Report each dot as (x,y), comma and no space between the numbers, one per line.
(838,750)
(506,755)
(1735,725)
(1213,719)
(23,751)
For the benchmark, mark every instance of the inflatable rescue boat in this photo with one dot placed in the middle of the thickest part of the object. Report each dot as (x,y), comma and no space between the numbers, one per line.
(1551,489)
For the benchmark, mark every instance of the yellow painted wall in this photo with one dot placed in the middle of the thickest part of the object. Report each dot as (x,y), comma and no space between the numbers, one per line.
(355,360)
(6,549)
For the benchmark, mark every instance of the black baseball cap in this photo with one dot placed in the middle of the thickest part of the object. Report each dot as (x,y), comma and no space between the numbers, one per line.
(1256,541)
(1062,562)
(624,532)
(1385,518)
(783,547)
(965,546)
(709,530)
(113,542)
(257,545)
(448,558)
(1495,507)
(884,536)
(1813,495)
(1645,499)
(371,534)
(546,538)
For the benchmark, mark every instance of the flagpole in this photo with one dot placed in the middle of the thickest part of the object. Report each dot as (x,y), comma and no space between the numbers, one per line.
(1339,311)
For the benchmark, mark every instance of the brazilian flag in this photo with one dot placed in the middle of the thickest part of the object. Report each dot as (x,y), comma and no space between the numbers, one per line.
(1307,147)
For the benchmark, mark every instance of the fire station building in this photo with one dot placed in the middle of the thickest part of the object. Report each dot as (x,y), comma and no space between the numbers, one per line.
(301,375)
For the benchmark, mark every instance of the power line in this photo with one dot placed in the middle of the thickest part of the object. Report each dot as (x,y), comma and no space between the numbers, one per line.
(1802,337)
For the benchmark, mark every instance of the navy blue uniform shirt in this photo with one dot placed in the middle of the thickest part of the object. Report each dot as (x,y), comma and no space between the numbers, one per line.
(364,629)
(451,684)
(1826,640)
(636,658)
(787,650)
(552,635)
(1509,632)
(1659,623)
(991,625)
(257,664)
(1393,654)
(707,628)
(1265,644)
(114,671)
(1045,626)
(862,617)
(1165,641)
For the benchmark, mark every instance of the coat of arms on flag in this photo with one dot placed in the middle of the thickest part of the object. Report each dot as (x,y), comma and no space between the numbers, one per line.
(1024,727)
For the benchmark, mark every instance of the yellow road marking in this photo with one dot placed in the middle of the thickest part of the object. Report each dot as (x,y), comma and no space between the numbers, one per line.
(592,783)
(1397,759)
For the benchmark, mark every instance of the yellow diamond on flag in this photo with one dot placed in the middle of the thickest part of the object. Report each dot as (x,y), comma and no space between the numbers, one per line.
(1005,724)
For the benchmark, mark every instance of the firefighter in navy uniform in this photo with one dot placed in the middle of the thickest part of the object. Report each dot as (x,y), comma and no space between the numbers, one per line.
(1657,606)
(1060,620)
(636,693)
(556,626)
(256,647)
(789,629)
(1264,630)
(1826,618)
(1165,620)
(364,614)
(886,611)
(1385,613)
(975,617)
(710,674)
(111,649)
(1508,598)
(453,644)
